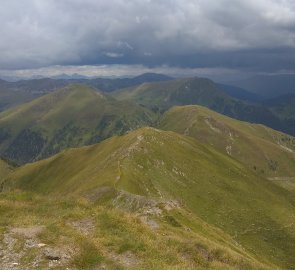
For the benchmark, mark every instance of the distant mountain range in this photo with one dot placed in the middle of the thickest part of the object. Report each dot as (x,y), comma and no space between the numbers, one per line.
(240,93)
(268,86)
(14,93)
(159,92)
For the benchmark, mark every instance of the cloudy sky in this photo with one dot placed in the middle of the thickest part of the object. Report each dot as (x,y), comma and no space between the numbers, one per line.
(122,37)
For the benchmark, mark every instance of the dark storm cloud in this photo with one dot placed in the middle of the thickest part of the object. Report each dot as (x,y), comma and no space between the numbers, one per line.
(193,33)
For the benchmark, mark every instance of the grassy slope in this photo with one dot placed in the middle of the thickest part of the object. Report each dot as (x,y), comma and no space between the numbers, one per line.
(262,149)
(162,96)
(5,169)
(221,191)
(72,116)
(112,238)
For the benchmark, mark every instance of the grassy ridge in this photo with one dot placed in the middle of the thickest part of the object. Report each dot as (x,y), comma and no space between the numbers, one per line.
(266,151)
(70,117)
(164,165)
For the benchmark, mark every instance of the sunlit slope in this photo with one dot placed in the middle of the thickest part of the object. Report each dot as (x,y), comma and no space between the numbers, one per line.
(156,164)
(264,150)
(70,117)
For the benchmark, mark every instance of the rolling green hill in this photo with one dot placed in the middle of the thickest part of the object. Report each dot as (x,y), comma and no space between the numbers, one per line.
(266,151)
(149,164)
(199,91)
(73,116)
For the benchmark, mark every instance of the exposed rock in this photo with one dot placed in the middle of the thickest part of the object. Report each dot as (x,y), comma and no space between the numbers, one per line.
(52,254)
(151,223)
(31,243)
(9,258)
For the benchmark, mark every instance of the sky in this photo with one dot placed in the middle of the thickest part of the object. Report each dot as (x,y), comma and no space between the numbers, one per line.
(127,37)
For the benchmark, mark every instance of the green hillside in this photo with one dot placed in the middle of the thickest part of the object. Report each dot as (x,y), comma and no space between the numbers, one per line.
(5,169)
(73,116)
(199,91)
(148,164)
(266,151)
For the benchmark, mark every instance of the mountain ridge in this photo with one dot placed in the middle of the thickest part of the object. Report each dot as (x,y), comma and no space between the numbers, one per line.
(15,93)
(160,164)
(263,150)
(201,91)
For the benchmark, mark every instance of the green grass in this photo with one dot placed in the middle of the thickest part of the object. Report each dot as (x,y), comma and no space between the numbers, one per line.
(265,151)
(73,116)
(117,233)
(161,96)
(5,169)
(89,256)
(158,165)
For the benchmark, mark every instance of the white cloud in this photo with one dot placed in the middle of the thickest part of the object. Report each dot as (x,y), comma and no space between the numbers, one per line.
(114,55)
(120,71)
